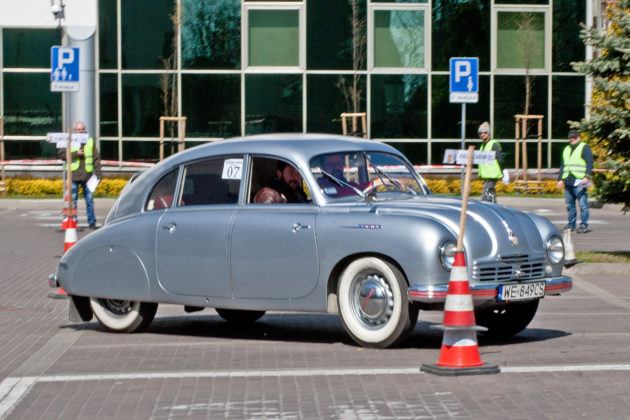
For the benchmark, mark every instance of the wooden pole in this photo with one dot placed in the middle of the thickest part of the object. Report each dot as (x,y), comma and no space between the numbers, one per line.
(465,194)
(69,171)
(161,139)
(4,184)
(517,133)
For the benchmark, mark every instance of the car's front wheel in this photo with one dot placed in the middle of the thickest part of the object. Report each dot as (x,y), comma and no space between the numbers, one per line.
(507,320)
(372,295)
(238,316)
(123,315)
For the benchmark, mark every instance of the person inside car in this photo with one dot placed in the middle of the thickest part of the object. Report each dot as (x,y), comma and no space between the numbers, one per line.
(288,182)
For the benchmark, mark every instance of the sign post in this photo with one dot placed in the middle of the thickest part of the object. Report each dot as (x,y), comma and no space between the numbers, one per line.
(464,88)
(64,77)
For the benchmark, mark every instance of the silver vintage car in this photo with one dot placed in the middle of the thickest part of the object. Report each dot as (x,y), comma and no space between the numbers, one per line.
(313,223)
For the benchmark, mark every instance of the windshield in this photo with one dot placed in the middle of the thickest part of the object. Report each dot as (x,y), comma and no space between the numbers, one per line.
(361,173)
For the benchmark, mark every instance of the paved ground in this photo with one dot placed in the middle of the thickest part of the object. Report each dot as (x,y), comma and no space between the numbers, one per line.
(572,362)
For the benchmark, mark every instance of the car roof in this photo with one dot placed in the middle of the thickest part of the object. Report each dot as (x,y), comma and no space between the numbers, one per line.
(293,146)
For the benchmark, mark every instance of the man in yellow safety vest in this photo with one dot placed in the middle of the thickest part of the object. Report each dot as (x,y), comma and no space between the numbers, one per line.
(85,163)
(493,172)
(574,177)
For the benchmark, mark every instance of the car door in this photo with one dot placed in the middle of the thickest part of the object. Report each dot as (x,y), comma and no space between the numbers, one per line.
(273,252)
(192,236)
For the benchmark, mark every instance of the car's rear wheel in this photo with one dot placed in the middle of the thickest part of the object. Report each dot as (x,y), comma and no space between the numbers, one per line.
(372,295)
(507,320)
(123,315)
(239,316)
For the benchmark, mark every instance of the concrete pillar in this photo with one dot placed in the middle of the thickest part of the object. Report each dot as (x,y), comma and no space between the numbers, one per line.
(82,104)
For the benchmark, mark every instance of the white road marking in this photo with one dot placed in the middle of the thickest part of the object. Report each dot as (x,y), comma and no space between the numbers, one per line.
(13,389)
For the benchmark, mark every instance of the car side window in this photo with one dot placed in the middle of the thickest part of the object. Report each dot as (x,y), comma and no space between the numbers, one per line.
(274,181)
(212,181)
(161,196)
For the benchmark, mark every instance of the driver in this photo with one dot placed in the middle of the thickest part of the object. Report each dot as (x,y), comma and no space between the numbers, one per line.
(334,164)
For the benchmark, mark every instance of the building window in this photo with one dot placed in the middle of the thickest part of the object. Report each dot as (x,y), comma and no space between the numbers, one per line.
(398,37)
(521,40)
(274,35)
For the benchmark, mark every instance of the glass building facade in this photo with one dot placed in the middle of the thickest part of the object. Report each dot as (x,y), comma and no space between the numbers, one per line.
(246,67)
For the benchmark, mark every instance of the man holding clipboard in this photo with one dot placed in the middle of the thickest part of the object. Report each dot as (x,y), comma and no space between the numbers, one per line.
(86,171)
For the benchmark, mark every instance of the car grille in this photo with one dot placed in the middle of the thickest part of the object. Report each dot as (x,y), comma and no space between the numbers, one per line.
(508,268)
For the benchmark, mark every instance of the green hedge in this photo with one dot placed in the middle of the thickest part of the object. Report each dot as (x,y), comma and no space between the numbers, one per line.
(113,186)
(44,187)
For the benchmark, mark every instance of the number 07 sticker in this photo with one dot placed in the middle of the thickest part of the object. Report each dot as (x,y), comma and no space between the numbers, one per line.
(232,169)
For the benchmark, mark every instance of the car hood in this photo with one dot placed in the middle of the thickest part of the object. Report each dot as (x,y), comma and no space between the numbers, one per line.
(491,230)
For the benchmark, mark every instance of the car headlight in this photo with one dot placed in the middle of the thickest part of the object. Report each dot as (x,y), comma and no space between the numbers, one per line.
(555,250)
(447,254)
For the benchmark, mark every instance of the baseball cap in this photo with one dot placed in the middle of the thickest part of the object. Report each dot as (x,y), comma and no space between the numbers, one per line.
(573,133)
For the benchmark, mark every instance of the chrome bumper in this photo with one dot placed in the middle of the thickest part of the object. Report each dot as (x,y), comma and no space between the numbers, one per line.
(437,293)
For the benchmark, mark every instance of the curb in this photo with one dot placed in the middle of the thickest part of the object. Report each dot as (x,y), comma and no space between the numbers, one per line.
(599,268)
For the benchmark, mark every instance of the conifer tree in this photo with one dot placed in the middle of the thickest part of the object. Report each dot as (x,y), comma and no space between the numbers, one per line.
(607,129)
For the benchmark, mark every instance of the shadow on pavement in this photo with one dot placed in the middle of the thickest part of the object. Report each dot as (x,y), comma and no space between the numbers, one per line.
(307,328)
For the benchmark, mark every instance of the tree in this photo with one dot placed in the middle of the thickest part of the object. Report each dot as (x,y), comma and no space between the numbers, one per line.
(353,92)
(607,128)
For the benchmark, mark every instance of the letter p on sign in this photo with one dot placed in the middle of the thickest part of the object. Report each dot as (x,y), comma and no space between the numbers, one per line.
(462,69)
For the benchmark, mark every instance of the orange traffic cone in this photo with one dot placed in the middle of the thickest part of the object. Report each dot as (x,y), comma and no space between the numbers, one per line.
(67,214)
(460,353)
(69,240)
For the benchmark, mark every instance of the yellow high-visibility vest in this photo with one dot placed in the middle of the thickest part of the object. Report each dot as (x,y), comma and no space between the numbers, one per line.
(573,162)
(88,151)
(492,170)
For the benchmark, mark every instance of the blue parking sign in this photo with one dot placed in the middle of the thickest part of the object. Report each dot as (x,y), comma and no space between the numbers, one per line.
(64,69)
(464,79)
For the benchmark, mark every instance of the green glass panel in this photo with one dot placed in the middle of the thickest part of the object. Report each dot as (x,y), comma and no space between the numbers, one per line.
(273,103)
(326,101)
(107,34)
(273,38)
(211,34)
(509,100)
(212,105)
(399,38)
(25,149)
(556,153)
(109,104)
(454,36)
(147,33)
(144,151)
(446,117)
(567,45)
(30,108)
(521,40)
(329,35)
(415,152)
(142,105)
(567,103)
(523,1)
(28,47)
(403,1)
(399,106)
(108,149)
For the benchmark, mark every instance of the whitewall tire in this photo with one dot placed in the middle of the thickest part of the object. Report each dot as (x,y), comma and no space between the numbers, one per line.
(373,303)
(123,315)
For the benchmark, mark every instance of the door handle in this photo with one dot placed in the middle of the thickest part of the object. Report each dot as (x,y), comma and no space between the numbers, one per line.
(170,227)
(299,226)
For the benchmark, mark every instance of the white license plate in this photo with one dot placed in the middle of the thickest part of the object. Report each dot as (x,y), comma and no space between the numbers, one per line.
(521,291)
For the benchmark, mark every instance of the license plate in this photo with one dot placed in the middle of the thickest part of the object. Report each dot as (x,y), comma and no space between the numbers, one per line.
(521,291)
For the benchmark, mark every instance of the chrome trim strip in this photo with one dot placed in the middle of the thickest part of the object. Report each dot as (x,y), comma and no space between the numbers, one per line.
(479,292)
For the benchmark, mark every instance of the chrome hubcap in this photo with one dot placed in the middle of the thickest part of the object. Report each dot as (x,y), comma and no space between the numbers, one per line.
(118,307)
(372,301)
